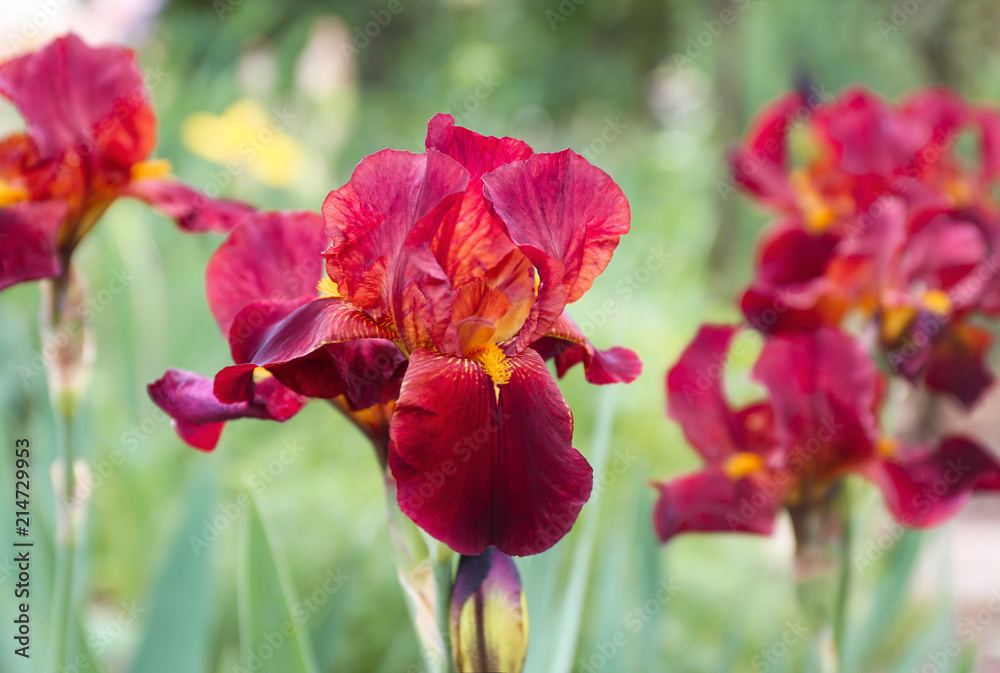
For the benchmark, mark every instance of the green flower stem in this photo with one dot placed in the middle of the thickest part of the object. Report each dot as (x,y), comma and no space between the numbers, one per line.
(62,610)
(822,572)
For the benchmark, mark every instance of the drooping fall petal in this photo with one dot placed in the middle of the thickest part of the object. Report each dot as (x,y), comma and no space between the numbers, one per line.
(957,363)
(711,501)
(566,344)
(567,216)
(478,463)
(924,487)
(489,615)
(189,208)
(199,417)
(28,246)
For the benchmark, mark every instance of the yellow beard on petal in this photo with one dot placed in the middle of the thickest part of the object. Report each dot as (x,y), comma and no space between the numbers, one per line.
(327,288)
(11,194)
(743,464)
(492,358)
(145,170)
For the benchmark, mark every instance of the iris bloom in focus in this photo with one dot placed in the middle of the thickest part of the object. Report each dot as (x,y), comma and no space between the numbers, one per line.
(818,424)
(463,258)
(881,218)
(90,131)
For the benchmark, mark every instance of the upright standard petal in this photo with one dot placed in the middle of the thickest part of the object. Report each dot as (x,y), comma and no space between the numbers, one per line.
(567,216)
(696,399)
(269,257)
(470,240)
(370,218)
(823,391)
(489,615)
(480,463)
(85,100)
(199,417)
(28,241)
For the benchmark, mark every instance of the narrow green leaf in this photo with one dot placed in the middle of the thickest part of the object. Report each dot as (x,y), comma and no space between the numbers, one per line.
(273,639)
(576,590)
(178,620)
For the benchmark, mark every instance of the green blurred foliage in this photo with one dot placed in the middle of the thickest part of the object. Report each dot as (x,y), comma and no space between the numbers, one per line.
(669,90)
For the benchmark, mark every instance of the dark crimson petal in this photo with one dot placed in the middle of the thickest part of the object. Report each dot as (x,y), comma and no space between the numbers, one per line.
(470,240)
(989,129)
(274,257)
(475,471)
(370,218)
(790,292)
(710,502)
(80,99)
(567,216)
(189,208)
(697,401)
(927,487)
(822,388)
(566,344)
(28,248)
(869,135)
(198,416)
(761,165)
(279,338)
(957,363)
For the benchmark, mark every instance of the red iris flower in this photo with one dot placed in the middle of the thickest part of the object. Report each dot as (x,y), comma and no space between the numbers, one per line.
(881,218)
(463,258)
(818,425)
(90,129)
(268,267)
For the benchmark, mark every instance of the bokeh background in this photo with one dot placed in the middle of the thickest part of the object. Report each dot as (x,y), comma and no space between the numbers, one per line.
(275,103)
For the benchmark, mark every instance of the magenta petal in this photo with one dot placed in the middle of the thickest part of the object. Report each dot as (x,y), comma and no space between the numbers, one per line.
(28,249)
(567,216)
(566,344)
(197,414)
(761,164)
(81,99)
(189,208)
(696,399)
(710,502)
(823,388)
(370,218)
(272,257)
(475,471)
(927,487)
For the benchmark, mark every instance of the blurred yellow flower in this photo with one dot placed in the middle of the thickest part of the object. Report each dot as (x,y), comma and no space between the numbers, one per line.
(246,138)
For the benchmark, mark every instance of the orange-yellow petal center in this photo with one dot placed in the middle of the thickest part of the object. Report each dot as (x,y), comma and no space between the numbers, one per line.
(742,464)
